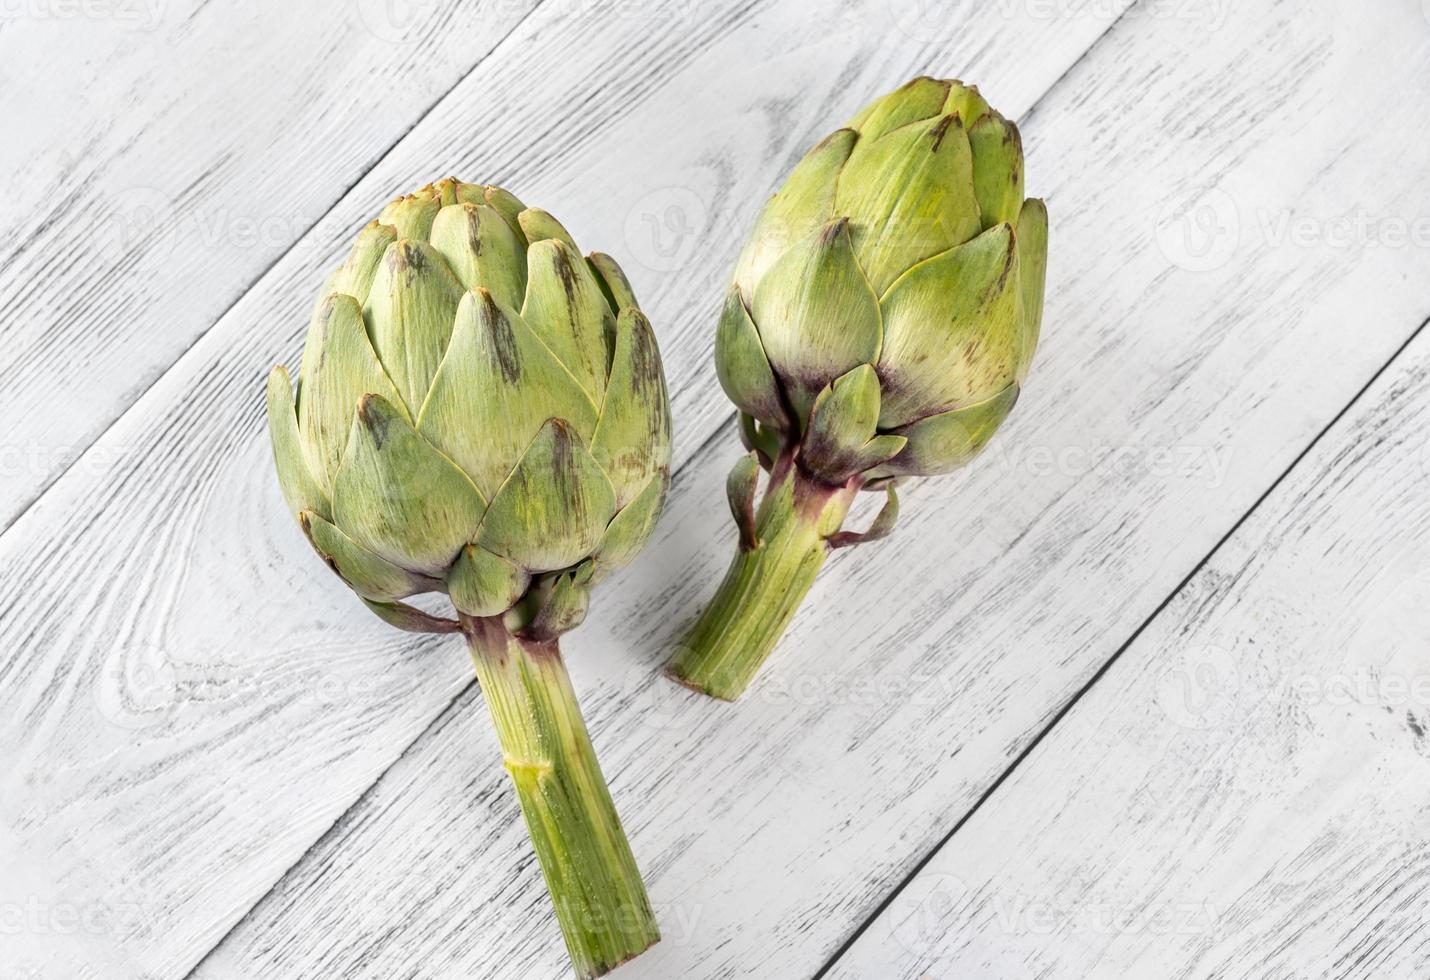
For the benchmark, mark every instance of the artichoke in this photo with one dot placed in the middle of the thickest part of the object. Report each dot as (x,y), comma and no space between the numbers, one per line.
(880,326)
(482,412)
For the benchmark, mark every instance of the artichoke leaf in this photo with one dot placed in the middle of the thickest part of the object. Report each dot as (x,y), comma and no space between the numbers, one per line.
(539,225)
(632,438)
(565,307)
(552,510)
(398,496)
(881,527)
(1032,276)
(613,281)
(943,443)
(908,195)
(481,250)
(952,330)
(741,487)
(801,207)
(409,316)
(997,169)
(629,530)
(301,491)
(354,278)
(743,367)
(817,315)
(758,438)
(412,214)
(339,367)
(367,574)
(411,619)
(966,102)
(497,385)
(485,584)
(922,98)
(563,608)
(842,439)
(509,207)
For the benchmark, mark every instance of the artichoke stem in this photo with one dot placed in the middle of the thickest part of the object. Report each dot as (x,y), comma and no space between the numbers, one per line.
(601,903)
(765,584)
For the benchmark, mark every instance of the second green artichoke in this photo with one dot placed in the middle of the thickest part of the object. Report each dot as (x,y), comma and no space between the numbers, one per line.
(880,326)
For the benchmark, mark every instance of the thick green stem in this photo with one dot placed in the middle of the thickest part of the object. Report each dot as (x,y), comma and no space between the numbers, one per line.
(600,900)
(764,586)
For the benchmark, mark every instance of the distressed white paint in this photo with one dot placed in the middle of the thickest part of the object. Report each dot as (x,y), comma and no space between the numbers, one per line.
(188,699)
(1246,792)
(1168,398)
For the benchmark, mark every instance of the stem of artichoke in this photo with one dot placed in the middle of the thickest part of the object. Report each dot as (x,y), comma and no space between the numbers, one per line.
(601,903)
(765,584)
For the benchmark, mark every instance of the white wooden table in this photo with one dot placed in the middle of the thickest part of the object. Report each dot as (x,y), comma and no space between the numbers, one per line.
(1144,693)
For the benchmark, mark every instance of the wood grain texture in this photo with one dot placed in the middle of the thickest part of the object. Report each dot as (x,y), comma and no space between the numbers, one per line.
(159,156)
(1244,794)
(189,699)
(1180,376)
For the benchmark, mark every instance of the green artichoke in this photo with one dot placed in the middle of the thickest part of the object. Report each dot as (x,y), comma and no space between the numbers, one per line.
(880,326)
(483,412)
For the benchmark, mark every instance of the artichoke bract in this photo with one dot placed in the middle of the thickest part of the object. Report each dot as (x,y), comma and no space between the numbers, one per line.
(880,326)
(482,412)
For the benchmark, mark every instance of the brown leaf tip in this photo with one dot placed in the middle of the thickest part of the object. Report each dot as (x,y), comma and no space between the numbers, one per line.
(941,128)
(833,231)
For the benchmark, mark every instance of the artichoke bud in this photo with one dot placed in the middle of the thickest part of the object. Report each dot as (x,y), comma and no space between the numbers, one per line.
(900,271)
(480,411)
(842,439)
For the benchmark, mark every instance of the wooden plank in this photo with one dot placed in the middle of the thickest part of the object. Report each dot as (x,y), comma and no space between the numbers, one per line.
(159,156)
(192,699)
(1244,793)
(1166,401)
